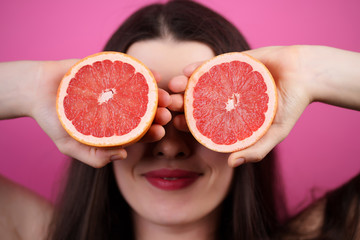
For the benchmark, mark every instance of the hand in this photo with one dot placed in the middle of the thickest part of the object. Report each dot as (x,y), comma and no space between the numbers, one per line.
(293,86)
(293,97)
(303,74)
(178,85)
(44,112)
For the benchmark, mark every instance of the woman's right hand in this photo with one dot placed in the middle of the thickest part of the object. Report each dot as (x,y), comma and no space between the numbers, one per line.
(29,88)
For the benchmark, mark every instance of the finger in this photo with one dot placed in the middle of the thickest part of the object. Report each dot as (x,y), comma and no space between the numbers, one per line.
(189,69)
(66,64)
(178,84)
(263,54)
(156,75)
(260,149)
(163,116)
(180,123)
(164,98)
(177,103)
(92,156)
(155,133)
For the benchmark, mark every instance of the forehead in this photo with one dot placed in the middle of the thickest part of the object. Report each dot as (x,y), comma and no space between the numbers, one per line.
(169,57)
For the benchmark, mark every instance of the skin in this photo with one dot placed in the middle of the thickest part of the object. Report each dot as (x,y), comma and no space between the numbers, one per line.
(189,213)
(23,214)
(303,74)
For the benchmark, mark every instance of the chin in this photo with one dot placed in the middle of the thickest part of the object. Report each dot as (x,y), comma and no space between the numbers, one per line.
(172,219)
(176,214)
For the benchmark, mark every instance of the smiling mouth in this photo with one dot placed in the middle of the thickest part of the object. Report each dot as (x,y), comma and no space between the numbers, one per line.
(171,179)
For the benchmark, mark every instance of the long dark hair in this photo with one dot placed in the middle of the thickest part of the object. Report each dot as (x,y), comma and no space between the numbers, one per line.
(92,206)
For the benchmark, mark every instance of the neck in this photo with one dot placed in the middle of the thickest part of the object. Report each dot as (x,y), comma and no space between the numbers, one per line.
(202,229)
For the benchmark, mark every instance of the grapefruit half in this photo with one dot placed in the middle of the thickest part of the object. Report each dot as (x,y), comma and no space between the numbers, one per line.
(230,102)
(107,99)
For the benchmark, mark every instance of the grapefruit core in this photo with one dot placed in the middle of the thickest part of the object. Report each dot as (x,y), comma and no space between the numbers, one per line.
(230,102)
(107,99)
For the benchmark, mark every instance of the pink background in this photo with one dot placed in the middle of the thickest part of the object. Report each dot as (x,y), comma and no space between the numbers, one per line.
(320,153)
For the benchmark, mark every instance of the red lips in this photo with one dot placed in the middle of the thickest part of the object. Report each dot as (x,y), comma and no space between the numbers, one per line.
(171,179)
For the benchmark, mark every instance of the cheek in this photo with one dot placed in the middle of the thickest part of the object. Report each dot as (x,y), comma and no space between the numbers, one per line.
(123,176)
(124,169)
(128,183)
(221,174)
(216,162)
(219,177)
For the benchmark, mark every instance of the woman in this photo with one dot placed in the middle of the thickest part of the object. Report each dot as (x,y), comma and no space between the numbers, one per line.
(121,200)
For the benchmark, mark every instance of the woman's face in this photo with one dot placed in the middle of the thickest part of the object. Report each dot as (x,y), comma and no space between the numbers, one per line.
(175,180)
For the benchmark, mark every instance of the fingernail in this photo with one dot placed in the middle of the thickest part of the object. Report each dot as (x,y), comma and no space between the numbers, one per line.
(238,162)
(116,158)
(120,156)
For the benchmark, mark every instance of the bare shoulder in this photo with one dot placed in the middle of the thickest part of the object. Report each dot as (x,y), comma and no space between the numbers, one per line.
(307,224)
(23,214)
(330,216)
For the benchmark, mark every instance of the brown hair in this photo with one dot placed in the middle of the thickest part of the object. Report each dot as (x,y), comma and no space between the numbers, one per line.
(183,20)
(92,206)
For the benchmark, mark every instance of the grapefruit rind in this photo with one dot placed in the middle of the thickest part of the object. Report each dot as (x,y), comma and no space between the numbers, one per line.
(123,140)
(269,115)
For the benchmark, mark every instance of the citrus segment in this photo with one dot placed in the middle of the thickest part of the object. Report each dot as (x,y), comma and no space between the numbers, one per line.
(230,102)
(107,99)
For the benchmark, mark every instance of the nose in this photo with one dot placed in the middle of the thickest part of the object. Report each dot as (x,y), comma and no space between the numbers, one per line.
(174,145)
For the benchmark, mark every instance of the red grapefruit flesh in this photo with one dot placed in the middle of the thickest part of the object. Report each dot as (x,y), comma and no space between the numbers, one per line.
(230,102)
(107,99)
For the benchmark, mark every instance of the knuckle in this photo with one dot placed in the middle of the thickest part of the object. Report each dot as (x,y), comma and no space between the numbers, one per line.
(257,157)
(64,149)
(98,164)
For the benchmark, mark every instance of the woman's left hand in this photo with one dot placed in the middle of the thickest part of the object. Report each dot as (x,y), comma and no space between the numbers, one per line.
(293,98)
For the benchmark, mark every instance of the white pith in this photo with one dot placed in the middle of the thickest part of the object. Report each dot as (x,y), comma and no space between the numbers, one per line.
(233,102)
(106,95)
(113,140)
(269,115)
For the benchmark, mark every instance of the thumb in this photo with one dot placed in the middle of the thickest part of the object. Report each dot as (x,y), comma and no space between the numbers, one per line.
(92,156)
(260,149)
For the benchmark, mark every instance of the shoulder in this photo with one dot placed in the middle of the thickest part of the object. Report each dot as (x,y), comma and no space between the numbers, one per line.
(336,215)
(23,214)
(308,223)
